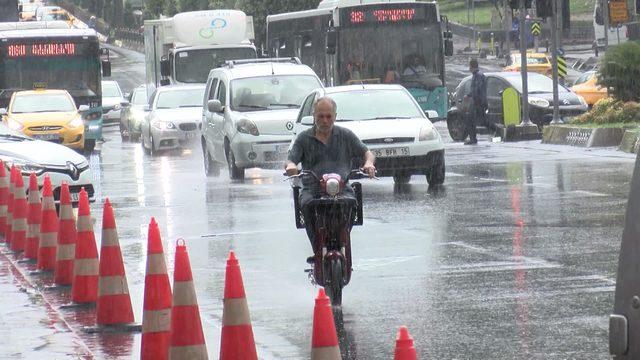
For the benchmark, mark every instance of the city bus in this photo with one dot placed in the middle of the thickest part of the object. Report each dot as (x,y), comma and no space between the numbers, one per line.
(371,42)
(69,59)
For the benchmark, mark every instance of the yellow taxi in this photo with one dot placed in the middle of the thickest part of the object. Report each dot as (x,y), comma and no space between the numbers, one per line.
(54,13)
(49,115)
(536,62)
(586,85)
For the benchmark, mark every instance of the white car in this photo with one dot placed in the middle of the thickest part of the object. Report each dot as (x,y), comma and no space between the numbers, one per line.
(174,117)
(392,125)
(46,158)
(250,108)
(112,99)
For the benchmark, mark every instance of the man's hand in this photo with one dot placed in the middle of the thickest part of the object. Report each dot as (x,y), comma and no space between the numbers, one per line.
(369,169)
(291,169)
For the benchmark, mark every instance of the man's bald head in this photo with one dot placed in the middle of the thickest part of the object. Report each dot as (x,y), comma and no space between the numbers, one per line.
(324,114)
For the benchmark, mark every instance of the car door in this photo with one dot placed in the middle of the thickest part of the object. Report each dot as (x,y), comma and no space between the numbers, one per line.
(145,127)
(218,121)
(305,110)
(495,88)
(207,120)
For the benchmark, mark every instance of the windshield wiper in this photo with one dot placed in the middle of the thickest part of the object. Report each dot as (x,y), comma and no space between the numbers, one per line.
(286,105)
(43,111)
(254,107)
(14,137)
(185,106)
(388,117)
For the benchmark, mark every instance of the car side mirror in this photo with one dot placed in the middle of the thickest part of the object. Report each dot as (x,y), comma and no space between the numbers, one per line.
(127,95)
(215,106)
(165,68)
(448,47)
(3,112)
(431,114)
(106,68)
(83,108)
(332,40)
(307,120)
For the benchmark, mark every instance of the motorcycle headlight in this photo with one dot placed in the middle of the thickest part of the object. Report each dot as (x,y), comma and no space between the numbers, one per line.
(26,167)
(538,102)
(14,124)
(77,122)
(333,187)
(428,133)
(248,127)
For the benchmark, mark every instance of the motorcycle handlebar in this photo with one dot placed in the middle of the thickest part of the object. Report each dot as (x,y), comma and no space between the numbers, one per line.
(353,174)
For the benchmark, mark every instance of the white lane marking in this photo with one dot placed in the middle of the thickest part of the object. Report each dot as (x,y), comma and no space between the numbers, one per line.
(588,193)
(374,263)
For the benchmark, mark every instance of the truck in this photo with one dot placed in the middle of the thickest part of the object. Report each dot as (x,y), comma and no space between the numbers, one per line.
(8,10)
(184,48)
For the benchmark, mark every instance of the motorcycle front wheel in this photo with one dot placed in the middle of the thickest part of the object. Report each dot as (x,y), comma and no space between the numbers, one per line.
(333,287)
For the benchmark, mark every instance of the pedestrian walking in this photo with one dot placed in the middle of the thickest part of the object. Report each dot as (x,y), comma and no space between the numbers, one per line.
(478,101)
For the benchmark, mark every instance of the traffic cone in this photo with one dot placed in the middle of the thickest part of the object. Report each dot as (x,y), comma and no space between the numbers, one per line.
(34,218)
(85,267)
(404,346)
(156,318)
(12,181)
(4,199)
(67,236)
(20,207)
(236,341)
(48,229)
(187,338)
(114,302)
(324,343)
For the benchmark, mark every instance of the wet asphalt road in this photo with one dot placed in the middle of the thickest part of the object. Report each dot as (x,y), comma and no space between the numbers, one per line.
(514,259)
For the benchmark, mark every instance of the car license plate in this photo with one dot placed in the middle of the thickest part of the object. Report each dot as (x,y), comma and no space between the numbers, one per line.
(190,135)
(282,149)
(46,137)
(75,197)
(391,152)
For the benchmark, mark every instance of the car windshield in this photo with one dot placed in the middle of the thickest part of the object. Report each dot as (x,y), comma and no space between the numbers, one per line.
(42,103)
(531,60)
(375,104)
(139,97)
(271,92)
(55,16)
(537,83)
(110,89)
(173,99)
(584,78)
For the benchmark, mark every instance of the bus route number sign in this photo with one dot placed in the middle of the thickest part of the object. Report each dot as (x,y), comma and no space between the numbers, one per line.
(362,16)
(41,49)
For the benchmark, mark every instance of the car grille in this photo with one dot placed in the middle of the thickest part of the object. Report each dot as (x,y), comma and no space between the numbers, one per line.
(74,189)
(188,126)
(68,172)
(389,140)
(45,128)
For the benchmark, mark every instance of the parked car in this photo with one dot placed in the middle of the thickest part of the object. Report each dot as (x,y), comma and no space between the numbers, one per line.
(587,86)
(133,114)
(391,123)
(174,117)
(112,99)
(250,108)
(46,158)
(536,62)
(540,101)
(46,115)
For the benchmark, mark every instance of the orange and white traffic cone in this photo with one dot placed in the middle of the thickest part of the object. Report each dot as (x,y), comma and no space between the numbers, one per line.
(236,342)
(85,268)
(404,346)
(4,199)
(34,217)
(156,318)
(48,229)
(187,338)
(114,302)
(67,237)
(12,181)
(324,343)
(20,207)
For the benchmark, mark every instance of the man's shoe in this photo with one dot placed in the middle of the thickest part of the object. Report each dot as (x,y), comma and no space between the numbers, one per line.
(471,142)
(311,259)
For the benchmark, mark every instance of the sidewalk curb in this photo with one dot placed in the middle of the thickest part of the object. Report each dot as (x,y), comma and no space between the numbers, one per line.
(583,137)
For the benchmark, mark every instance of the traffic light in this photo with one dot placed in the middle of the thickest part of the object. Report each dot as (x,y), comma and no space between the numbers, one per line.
(515,4)
(544,8)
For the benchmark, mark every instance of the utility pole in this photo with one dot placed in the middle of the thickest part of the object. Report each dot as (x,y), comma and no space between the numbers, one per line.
(554,55)
(605,15)
(523,67)
(507,27)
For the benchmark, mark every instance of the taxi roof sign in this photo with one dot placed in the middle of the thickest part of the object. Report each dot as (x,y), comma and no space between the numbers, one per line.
(39,86)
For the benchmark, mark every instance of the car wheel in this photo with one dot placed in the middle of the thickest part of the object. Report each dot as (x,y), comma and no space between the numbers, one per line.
(235,173)
(152,145)
(211,168)
(89,145)
(123,132)
(143,142)
(436,174)
(401,178)
(457,127)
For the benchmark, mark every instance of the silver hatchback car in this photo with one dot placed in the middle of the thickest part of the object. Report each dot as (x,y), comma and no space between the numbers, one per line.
(250,107)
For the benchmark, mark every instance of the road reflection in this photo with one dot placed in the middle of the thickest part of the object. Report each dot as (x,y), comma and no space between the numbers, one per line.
(346,340)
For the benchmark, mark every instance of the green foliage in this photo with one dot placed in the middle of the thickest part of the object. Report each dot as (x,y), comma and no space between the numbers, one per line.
(170,8)
(154,7)
(127,17)
(620,71)
(611,111)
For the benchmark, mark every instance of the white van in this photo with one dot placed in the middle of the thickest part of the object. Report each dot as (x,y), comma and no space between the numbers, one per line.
(617,34)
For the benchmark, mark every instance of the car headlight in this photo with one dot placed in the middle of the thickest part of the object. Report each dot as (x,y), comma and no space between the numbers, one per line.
(14,124)
(26,167)
(332,187)
(428,132)
(77,122)
(163,125)
(116,107)
(247,127)
(535,101)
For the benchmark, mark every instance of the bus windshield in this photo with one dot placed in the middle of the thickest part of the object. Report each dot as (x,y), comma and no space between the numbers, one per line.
(391,54)
(193,66)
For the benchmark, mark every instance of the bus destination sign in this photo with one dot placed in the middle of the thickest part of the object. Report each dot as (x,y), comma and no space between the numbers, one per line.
(41,49)
(363,15)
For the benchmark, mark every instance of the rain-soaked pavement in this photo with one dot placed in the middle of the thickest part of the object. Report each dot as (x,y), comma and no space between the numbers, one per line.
(514,259)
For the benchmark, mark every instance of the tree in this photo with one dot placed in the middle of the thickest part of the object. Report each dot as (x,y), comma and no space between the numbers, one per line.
(222,4)
(127,16)
(188,5)
(620,71)
(154,7)
(170,8)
